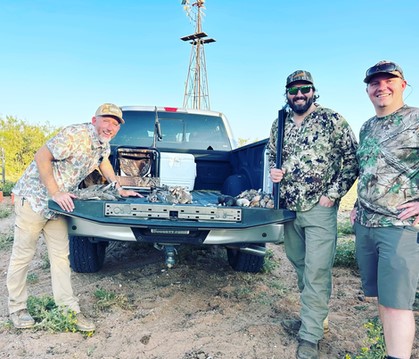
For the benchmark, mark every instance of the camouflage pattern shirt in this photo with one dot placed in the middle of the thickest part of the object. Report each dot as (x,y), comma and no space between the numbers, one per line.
(388,158)
(319,158)
(77,151)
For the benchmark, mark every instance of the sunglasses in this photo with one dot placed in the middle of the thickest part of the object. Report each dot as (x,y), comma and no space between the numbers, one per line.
(303,89)
(386,67)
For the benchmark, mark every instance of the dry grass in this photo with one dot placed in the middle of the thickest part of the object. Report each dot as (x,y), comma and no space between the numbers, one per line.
(349,199)
(5,210)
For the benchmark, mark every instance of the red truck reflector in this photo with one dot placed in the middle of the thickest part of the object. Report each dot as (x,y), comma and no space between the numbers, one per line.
(170,109)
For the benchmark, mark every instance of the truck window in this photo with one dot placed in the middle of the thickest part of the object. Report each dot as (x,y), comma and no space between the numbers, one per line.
(179,131)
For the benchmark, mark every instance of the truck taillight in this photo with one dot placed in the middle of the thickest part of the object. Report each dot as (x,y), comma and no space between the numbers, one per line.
(170,109)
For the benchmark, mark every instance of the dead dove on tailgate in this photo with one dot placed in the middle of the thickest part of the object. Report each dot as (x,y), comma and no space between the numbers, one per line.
(106,192)
(225,200)
(255,198)
(172,195)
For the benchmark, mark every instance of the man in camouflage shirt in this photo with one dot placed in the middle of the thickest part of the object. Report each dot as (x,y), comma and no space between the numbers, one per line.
(59,167)
(387,210)
(319,167)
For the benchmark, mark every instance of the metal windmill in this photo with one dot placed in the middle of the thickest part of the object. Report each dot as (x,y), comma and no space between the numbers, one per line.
(196,87)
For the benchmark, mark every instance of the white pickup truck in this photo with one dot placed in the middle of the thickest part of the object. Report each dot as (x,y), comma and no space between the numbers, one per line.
(193,149)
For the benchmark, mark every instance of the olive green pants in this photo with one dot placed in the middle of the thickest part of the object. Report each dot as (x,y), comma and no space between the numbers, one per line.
(310,245)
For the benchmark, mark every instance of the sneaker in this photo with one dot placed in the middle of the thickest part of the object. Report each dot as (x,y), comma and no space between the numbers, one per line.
(22,319)
(307,350)
(83,324)
(293,325)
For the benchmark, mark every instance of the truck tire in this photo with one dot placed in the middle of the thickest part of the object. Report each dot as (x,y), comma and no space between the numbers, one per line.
(244,262)
(86,256)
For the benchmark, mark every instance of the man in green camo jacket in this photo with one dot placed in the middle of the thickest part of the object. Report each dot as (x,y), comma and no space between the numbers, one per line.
(319,167)
(387,210)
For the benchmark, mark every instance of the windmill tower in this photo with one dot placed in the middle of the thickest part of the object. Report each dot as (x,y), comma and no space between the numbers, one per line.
(196,86)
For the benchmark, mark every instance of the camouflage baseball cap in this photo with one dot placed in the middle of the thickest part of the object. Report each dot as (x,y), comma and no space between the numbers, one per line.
(109,109)
(384,67)
(299,75)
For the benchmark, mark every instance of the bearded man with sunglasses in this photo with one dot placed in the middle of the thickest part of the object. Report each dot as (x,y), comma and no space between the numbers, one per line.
(386,214)
(318,168)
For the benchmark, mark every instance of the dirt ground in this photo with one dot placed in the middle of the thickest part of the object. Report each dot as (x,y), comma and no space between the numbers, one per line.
(200,309)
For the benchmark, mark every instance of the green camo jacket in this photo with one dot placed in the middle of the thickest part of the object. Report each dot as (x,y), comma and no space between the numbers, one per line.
(319,158)
(388,157)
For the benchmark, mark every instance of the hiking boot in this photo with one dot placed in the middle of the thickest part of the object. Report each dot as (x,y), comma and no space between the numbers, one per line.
(307,350)
(293,325)
(83,324)
(22,319)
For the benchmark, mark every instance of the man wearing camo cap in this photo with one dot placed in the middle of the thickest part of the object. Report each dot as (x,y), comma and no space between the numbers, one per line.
(319,167)
(59,167)
(386,214)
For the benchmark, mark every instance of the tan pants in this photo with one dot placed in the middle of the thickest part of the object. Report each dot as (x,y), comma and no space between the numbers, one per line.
(28,227)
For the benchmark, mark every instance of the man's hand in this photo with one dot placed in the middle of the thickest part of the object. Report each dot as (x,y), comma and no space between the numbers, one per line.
(128,193)
(352,216)
(409,210)
(326,202)
(277,174)
(64,200)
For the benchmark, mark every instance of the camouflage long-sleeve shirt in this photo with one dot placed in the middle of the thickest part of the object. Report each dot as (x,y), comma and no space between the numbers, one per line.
(319,158)
(389,167)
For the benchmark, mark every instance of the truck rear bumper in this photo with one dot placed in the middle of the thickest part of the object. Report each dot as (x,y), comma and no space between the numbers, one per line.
(270,233)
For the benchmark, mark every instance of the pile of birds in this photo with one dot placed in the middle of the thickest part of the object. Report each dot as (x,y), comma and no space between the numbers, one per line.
(177,195)
(248,198)
(170,194)
(107,192)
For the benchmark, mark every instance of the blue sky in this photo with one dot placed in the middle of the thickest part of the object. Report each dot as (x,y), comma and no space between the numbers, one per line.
(61,59)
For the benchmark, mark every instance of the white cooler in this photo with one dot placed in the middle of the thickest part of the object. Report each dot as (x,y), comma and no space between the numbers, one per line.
(177,169)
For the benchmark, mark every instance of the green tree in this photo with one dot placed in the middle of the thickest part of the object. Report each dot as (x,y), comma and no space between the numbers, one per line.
(20,141)
(245,141)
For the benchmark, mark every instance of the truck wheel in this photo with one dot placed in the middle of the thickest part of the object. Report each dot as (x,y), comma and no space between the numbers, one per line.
(86,256)
(244,262)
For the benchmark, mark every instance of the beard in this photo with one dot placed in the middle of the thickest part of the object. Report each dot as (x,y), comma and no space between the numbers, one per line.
(300,108)
(104,139)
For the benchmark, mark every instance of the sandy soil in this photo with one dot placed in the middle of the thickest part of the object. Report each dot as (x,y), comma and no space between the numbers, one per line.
(200,309)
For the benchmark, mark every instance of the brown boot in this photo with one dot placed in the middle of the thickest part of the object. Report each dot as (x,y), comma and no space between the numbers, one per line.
(83,324)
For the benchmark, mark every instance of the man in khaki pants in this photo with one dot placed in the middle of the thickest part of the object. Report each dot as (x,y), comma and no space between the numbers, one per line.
(59,166)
